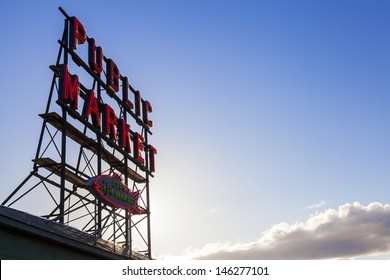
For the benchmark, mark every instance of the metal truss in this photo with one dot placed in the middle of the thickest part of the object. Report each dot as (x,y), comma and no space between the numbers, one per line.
(69,152)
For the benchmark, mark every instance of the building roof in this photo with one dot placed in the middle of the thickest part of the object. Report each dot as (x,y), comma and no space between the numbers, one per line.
(64,235)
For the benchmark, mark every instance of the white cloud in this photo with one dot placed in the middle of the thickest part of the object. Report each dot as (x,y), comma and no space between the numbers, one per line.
(351,231)
(316,205)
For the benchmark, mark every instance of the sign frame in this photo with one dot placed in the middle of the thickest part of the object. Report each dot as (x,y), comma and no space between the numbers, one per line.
(107,125)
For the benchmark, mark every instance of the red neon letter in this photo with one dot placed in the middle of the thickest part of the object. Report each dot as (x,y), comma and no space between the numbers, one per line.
(78,35)
(91,107)
(147,108)
(95,56)
(138,147)
(112,75)
(69,87)
(152,161)
(137,101)
(124,135)
(109,122)
(125,92)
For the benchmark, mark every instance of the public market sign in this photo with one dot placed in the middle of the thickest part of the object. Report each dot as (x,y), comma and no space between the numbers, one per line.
(112,191)
(100,116)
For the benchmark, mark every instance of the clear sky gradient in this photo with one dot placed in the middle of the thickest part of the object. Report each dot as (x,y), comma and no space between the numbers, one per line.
(265,112)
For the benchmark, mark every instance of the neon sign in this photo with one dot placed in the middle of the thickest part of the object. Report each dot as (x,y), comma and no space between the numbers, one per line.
(112,191)
(103,118)
(96,129)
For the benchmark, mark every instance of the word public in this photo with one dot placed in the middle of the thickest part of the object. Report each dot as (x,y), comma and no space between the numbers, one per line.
(102,115)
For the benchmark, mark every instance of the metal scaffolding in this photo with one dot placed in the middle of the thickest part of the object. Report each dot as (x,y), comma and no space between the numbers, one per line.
(72,150)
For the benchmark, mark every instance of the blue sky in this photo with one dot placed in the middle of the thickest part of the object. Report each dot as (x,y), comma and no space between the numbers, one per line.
(265,112)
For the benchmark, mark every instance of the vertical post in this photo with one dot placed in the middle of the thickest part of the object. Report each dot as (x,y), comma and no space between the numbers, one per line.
(149,238)
(99,170)
(63,162)
(63,140)
(128,234)
(127,215)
